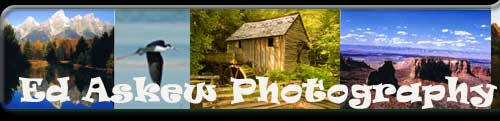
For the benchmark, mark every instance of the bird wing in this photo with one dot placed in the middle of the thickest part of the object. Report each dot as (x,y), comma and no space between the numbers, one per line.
(156,43)
(155,63)
(125,56)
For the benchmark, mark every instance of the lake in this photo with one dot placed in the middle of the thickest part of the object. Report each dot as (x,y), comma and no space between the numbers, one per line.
(78,83)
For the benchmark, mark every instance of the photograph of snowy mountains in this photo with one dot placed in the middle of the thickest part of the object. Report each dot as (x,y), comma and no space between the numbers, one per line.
(57,43)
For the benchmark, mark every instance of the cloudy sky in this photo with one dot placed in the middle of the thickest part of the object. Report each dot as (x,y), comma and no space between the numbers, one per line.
(495,14)
(463,30)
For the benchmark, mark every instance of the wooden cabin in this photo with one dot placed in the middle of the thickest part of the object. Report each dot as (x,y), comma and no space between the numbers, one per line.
(277,43)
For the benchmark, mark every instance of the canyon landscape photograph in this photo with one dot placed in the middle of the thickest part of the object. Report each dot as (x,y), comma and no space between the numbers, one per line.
(403,47)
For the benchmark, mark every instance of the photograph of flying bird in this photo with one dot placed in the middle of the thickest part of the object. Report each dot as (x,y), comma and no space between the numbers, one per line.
(155,60)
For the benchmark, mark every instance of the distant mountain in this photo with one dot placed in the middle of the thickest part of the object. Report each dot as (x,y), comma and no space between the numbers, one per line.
(67,33)
(60,26)
(36,35)
(402,52)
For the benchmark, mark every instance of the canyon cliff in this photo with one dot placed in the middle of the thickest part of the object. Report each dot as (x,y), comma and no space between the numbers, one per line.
(425,70)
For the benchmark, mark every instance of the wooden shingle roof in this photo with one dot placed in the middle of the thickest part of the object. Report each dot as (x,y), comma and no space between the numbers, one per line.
(265,28)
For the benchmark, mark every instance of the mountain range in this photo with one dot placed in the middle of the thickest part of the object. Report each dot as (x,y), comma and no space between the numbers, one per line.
(61,26)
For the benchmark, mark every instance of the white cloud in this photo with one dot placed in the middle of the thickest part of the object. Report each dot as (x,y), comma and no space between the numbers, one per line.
(445,30)
(368,29)
(414,35)
(398,27)
(349,36)
(437,39)
(437,42)
(397,40)
(483,26)
(488,38)
(473,41)
(481,35)
(369,33)
(405,27)
(470,38)
(402,33)
(462,33)
(362,39)
(459,44)
(359,29)
(424,42)
(381,35)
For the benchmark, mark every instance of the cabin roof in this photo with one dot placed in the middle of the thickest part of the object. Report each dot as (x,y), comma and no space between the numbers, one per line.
(265,28)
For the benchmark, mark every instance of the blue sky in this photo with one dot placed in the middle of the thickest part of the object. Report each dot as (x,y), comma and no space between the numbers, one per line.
(463,30)
(17,16)
(152,15)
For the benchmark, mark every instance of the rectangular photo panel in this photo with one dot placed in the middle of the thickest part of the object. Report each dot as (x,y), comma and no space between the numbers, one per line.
(495,54)
(418,58)
(152,58)
(275,50)
(51,55)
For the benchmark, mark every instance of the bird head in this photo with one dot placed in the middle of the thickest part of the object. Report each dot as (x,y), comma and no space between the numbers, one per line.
(163,47)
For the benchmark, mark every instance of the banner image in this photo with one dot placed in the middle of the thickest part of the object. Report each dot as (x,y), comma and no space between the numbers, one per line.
(417,59)
(64,48)
(332,59)
(285,46)
(152,46)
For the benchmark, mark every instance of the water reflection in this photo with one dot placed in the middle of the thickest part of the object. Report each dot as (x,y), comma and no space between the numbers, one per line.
(78,83)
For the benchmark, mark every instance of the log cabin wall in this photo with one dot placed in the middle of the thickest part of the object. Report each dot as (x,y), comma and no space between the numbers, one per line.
(259,54)
(295,52)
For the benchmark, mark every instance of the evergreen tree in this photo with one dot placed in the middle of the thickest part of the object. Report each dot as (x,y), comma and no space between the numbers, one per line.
(27,49)
(81,52)
(15,62)
(102,48)
(51,52)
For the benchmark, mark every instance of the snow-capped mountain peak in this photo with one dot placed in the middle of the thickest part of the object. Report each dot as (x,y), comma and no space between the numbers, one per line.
(61,26)
(57,23)
(28,25)
(59,15)
(77,17)
(30,21)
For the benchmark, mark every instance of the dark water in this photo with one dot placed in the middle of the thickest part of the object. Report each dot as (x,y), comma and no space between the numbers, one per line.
(79,78)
